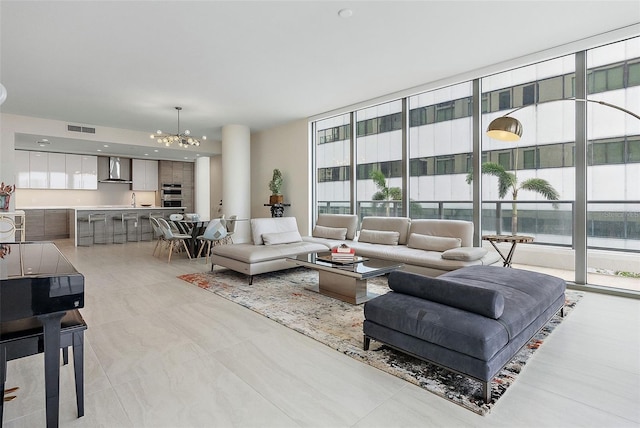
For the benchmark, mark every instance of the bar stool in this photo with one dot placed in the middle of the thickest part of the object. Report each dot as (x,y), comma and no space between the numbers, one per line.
(146,231)
(125,220)
(91,220)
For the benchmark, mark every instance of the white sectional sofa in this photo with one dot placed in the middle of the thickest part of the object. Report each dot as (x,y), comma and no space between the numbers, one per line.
(428,247)
(274,239)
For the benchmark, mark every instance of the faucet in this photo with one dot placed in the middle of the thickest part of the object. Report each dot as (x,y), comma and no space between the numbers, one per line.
(133,199)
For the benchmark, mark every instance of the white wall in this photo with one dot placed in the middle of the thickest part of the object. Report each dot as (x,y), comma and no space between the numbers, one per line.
(286,148)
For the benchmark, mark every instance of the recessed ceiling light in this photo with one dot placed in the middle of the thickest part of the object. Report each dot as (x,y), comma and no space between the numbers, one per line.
(146,154)
(106,145)
(99,150)
(345,13)
(156,150)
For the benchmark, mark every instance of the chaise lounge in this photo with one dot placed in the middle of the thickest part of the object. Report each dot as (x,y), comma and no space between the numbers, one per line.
(472,320)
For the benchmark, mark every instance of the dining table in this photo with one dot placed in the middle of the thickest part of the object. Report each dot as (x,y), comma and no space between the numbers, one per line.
(193,228)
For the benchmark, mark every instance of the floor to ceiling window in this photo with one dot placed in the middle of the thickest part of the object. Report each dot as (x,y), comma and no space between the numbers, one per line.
(440,148)
(420,147)
(545,151)
(613,162)
(379,160)
(333,159)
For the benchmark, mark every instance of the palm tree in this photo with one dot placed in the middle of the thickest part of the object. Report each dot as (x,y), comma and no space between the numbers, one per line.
(384,192)
(509,180)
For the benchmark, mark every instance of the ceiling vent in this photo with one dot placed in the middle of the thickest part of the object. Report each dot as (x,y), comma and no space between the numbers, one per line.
(85,129)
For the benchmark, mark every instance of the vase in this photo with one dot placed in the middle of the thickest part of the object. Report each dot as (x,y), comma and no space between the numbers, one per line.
(276,199)
(4,202)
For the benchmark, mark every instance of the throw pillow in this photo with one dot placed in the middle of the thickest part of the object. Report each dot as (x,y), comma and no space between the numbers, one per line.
(329,232)
(465,254)
(281,238)
(379,237)
(433,243)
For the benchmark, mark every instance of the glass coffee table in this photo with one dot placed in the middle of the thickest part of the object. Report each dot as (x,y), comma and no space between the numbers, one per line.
(345,281)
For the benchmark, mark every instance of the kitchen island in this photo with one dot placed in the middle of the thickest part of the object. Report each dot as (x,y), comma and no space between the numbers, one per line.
(115,223)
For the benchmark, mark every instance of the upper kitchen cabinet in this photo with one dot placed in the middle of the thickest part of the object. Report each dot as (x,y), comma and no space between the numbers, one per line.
(44,170)
(38,170)
(81,172)
(57,170)
(22,169)
(144,174)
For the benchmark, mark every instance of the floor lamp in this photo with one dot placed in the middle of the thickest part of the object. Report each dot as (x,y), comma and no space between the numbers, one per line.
(507,128)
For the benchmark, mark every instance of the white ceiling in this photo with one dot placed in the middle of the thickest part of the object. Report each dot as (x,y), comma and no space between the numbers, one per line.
(126,64)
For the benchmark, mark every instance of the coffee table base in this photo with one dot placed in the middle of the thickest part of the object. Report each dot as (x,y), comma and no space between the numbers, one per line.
(345,288)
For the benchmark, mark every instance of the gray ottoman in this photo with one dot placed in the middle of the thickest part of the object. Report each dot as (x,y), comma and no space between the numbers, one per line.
(471,321)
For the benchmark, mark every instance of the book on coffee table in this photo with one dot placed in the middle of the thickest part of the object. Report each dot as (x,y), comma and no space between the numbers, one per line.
(350,260)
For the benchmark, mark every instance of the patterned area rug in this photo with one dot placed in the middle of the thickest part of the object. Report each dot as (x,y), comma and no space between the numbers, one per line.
(285,297)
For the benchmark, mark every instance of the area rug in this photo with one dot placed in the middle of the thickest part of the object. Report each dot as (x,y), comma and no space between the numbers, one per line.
(285,297)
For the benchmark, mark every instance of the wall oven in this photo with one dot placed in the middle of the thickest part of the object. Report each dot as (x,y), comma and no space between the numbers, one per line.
(171,195)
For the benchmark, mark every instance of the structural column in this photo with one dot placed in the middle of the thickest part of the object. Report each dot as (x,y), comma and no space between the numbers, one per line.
(203,187)
(236,177)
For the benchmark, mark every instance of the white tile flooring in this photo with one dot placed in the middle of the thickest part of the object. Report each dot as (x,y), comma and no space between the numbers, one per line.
(162,353)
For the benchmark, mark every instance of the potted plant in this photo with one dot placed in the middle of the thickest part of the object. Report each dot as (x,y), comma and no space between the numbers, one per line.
(275,185)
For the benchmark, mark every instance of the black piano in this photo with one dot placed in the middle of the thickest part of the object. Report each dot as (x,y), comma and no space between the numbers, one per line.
(38,284)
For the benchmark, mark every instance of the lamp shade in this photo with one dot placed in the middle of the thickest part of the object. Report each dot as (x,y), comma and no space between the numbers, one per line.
(505,128)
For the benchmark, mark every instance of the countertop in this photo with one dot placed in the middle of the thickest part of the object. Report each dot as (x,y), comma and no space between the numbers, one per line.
(104,208)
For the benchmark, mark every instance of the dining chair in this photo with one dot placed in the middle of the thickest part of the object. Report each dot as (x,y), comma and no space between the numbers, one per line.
(172,238)
(212,235)
(157,233)
(231,228)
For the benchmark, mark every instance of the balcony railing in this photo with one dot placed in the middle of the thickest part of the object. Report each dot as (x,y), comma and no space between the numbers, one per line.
(611,225)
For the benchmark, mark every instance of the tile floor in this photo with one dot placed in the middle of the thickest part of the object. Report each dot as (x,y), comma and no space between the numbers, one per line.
(162,353)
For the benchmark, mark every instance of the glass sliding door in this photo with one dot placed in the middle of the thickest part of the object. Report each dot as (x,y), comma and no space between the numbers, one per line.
(613,166)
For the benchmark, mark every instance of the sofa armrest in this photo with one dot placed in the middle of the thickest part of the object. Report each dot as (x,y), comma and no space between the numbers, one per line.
(482,301)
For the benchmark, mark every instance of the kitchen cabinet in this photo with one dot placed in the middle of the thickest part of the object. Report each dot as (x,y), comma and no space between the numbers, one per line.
(46,224)
(56,224)
(38,170)
(34,221)
(56,170)
(144,175)
(174,172)
(89,172)
(22,169)
(82,172)
(43,170)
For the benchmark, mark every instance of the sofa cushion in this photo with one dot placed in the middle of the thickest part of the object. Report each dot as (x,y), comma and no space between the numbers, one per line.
(465,253)
(281,237)
(392,224)
(379,237)
(260,226)
(449,228)
(432,243)
(482,301)
(329,232)
(350,221)
(250,254)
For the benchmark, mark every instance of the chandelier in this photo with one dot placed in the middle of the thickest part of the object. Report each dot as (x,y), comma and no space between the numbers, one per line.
(184,139)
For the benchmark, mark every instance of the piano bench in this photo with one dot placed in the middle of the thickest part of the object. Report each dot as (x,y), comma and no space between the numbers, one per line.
(25,337)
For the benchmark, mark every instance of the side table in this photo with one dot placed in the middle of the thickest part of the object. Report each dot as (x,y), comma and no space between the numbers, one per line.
(514,239)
